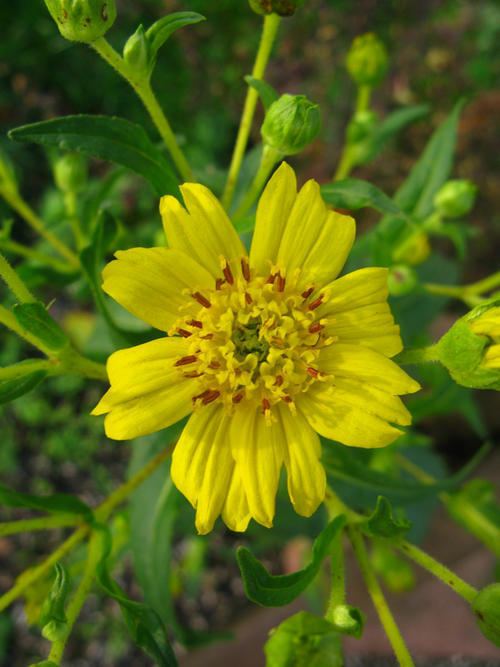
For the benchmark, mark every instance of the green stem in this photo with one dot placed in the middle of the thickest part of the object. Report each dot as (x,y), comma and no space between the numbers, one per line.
(345,164)
(77,601)
(73,362)
(421,355)
(269,159)
(23,251)
(14,282)
(145,92)
(70,202)
(40,523)
(101,513)
(25,368)
(391,629)
(363,98)
(461,587)
(337,587)
(21,207)
(269,31)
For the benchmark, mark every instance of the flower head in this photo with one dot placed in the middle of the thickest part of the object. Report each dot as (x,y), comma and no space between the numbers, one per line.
(265,350)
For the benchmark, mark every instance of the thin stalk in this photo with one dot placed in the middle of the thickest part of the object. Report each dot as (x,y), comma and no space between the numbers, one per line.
(269,31)
(25,368)
(78,600)
(70,202)
(421,355)
(102,513)
(24,251)
(21,207)
(40,523)
(363,98)
(461,587)
(269,159)
(145,92)
(72,361)
(345,164)
(14,282)
(387,619)
(337,586)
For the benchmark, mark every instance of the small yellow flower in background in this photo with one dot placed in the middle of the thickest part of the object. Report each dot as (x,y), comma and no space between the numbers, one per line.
(266,351)
(488,324)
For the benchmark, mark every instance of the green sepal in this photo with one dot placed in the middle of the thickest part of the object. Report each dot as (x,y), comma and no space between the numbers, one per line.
(137,53)
(34,318)
(278,590)
(266,92)
(382,523)
(304,640)
(52,616)
(347,620)
(12,389)
(486,607)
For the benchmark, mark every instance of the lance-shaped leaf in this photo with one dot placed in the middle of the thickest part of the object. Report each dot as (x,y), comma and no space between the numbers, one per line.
(12,389)
(53,616)
(277,590)
(392,124)
(58,503)
(354,193)
(34,318)
(383,523)
(161,30)
(266,92)
(108,138)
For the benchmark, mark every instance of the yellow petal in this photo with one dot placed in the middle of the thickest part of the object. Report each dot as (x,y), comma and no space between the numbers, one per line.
(363,364)
(344,416)
(492,357)
(305,474)
(147,392)
(202,465)
(358,311)
(236,513)
(202,229)
(150,283)
(273,210)
(258,449)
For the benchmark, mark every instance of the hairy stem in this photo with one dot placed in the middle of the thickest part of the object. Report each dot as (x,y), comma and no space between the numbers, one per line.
(14,282)
(145,92)
(270,29)
(421,355)
(269,159)
(40,523)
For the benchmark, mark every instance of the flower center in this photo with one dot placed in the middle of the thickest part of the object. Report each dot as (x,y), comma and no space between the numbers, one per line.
(252,338)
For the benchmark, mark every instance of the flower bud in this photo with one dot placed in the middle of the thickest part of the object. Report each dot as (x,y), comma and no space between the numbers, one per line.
(70,172)
(291,123)
(280,7)
(413,250)
(136,52)
(402,280)
(486,607)
(82,20)
(455,198)
(470,350)
(367,60)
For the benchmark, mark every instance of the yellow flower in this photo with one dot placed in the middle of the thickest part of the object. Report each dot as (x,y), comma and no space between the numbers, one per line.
(488,324)
(266,350)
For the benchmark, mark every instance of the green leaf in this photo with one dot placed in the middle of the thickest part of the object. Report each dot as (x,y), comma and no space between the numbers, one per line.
(58,503)
(52,616)
(354,193)
(108,138)
(144,624)
(34,318)
(304,640)
(382,522)
(92,259)
(267,93)
(161,30)
(392,124)
(432,169)
(277,590)
(12,389)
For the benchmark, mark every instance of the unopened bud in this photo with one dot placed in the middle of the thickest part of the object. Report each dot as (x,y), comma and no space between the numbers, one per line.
(291,123)
(280,7)
(70,172)
(82,20)
(136,52)
(413,250)
(402,280)
(486,607)
(455,198)
(367,60)
(470,350)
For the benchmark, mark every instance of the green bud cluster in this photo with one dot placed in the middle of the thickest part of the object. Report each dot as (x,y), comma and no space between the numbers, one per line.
(82,20)
(280,7)
(291,123)
(70,172)
(486,607)
(470,350)
(367,60)
(455,198)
